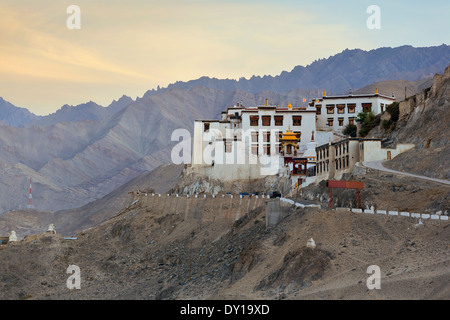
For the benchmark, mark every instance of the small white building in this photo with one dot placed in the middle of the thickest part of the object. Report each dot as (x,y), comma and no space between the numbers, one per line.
(335,112)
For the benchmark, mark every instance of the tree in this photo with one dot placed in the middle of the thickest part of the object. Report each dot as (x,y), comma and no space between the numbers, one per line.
(350,130)
(368,121)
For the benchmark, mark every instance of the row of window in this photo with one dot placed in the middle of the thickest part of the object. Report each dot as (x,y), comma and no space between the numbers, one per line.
(339,149)
(330,121)
(278,120)
(340,164)
(351,108)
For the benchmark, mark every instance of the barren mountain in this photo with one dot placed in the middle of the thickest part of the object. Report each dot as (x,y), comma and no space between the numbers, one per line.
(14,116)
(400,88)
(349,69)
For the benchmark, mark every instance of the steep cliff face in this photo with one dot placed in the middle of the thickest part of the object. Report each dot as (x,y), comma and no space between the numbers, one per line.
(426,125)
(191,182)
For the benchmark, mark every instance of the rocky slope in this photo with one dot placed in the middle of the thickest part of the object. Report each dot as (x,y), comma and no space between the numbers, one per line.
(423,121)
(145,253)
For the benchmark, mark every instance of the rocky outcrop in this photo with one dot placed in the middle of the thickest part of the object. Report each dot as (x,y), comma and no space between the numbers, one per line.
(424,120)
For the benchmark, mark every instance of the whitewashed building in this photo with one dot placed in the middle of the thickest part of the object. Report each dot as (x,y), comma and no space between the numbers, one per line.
(245,142)
(335,112)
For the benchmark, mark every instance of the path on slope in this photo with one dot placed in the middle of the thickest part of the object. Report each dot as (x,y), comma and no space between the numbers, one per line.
(378,165)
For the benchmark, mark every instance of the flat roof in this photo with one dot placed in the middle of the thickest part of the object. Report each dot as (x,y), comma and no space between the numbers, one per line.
(350,96)
(349,139)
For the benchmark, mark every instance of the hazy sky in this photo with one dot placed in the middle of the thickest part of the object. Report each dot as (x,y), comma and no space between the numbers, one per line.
(129,47)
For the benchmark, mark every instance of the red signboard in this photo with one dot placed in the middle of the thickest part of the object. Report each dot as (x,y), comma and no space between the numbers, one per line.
(345,184)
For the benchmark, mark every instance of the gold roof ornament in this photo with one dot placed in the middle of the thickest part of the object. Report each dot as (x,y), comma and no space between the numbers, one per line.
(290,136)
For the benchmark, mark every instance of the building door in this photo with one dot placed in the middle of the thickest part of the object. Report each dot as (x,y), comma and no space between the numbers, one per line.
(389,155)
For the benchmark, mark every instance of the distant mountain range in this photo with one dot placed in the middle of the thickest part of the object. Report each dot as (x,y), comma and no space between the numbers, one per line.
(349,69)
(81,153)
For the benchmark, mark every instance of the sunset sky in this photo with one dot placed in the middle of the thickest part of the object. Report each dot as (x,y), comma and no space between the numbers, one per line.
(129,47)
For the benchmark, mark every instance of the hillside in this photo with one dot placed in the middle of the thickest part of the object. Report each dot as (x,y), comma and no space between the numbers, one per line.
(206,250)
(423,120)
(69,222)
(397,87)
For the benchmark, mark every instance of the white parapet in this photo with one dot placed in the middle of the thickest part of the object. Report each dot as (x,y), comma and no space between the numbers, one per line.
(381,211)
(434,217)
(370,211)
(444,217)
(357,210)
(415,215)
(425,216)
(404,214)
(393,213)
(342,209)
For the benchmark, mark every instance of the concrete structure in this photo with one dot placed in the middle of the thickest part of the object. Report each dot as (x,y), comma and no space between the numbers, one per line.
(335,159)
(335,112)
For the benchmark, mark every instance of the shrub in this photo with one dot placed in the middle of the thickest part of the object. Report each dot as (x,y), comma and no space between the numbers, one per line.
(350,130)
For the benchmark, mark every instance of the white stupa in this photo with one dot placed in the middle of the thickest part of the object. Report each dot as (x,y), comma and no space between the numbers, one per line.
(12,237)
(310,152)
(311,243)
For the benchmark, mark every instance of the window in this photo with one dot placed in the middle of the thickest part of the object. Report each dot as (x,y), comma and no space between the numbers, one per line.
(382,107)
(255,149)
(367,107)
(340,108)
(278,120)
(267,149)
(319,109)
(255,136)
(228,146)
(330,122)
(254,120)
(351,121)
(351,107)
(330,108)
(297,120)
(266,136)
(266,120)
(341,121)
(206,127)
